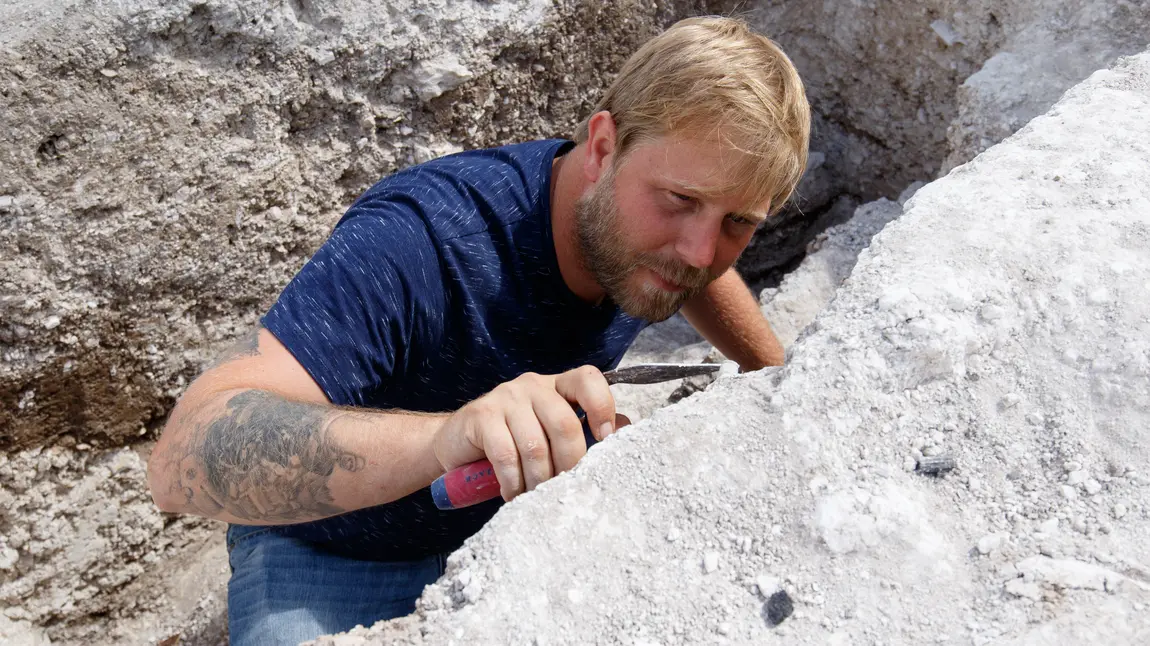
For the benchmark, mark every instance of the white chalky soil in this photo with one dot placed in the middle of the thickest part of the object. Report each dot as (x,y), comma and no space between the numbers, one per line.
(1001,321)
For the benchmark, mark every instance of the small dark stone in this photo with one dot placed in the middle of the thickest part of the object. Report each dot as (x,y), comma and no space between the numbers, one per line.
(778,608)
(935,465)
(690,386)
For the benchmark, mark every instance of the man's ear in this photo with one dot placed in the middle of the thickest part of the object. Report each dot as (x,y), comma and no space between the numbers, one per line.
(600,146)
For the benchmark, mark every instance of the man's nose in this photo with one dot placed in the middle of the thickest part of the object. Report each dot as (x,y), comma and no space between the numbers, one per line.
(697,243)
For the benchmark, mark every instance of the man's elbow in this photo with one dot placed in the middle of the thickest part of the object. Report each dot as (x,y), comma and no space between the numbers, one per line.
(160,486)
(165,503)
(162,475)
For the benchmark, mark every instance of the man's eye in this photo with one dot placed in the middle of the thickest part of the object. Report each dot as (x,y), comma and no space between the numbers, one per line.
(738,219)
(679,197)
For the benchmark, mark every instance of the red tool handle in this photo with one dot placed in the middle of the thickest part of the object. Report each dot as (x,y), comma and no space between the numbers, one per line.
(464,486)
(474,483)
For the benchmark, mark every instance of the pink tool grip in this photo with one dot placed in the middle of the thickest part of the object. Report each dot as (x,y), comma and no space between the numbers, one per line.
(464,486)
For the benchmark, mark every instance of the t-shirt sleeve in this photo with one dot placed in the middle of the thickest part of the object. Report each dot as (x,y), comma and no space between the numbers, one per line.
(362,306)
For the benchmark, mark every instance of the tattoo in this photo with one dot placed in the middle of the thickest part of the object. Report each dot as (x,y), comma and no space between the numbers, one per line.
(246,346)
(265,458)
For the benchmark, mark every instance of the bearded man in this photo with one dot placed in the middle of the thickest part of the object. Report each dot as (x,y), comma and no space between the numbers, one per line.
(459,309)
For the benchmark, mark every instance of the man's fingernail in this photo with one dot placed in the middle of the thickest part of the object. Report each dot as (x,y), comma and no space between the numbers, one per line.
(606,429)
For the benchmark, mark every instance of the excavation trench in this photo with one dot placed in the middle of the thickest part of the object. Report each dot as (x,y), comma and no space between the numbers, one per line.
(167,167)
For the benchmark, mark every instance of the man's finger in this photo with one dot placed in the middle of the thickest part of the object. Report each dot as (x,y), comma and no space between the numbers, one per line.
(563,428)
(499,447)
(587,387)
(532,444)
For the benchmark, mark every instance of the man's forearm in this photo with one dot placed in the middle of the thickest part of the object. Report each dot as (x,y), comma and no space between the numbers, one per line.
(728,316)
(253,457)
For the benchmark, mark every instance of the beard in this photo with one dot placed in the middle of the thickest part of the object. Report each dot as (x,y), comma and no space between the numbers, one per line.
(612,263)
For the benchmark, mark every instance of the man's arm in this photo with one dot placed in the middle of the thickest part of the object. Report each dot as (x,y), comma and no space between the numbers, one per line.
(727,315)
(255,441)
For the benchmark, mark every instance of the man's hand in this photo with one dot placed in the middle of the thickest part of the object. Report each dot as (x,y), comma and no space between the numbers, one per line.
(527,427)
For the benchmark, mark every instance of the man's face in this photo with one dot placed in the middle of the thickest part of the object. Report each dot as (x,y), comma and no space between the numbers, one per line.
(650,234)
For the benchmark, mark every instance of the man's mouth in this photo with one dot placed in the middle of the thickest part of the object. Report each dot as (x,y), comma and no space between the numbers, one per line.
(664,284)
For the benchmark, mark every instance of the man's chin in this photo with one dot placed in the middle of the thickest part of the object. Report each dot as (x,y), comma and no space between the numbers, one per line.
(648,315)
(649,307)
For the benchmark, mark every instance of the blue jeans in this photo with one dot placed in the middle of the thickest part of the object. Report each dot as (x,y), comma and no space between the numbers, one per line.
(284,590)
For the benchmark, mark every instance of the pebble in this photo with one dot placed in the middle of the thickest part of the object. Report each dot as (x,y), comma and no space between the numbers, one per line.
(710,562)
(767,585)
(323,57)
(935,465)
(1092,486)
(673,535)
(989,543)
(1119,510)
(1076,477)
(728,369)
(1070,493)
(724,628)
(472,591)
(779,607)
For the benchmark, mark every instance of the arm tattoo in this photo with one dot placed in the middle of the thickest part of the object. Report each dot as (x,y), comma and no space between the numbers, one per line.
(265,458)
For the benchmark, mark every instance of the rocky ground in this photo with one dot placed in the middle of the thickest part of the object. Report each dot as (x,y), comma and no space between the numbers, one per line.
(166,167)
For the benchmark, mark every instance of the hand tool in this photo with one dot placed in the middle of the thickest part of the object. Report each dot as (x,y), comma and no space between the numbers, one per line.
(474,483)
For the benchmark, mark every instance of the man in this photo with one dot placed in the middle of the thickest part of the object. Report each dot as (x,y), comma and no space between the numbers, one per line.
(458,310)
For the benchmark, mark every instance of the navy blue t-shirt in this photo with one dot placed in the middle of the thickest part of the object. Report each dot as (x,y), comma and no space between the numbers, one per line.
(438,284)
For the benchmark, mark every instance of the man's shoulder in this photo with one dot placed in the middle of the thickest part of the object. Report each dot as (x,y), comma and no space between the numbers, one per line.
(524,153)
(482,168)
(463,193)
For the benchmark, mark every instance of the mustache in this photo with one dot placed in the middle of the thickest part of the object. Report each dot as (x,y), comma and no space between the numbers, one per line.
(679,273)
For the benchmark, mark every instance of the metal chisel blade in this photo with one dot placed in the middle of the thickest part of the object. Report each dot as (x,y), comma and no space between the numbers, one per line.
(653,373)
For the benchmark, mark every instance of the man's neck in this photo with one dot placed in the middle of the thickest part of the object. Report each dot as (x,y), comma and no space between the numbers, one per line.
(567,184)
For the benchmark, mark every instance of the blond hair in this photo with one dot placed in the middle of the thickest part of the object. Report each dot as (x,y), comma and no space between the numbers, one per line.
(713,76)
